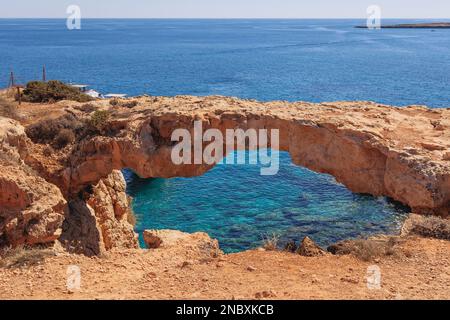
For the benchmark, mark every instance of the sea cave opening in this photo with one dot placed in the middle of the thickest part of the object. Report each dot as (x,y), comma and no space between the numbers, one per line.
(240,207)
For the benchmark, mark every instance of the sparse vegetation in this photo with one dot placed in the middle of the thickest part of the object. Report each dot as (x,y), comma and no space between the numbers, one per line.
(99,121)
(123,103)
(52,91)
(87,108)
(8,109)
(270,242)
(23,256)
(291,246)
(64,137)
(366,250)
(58,132)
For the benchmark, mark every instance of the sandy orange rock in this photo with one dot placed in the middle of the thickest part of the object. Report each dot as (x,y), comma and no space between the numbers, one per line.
(31,209)
(370,148)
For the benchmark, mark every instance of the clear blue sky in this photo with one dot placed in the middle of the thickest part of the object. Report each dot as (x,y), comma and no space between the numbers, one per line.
(225,8)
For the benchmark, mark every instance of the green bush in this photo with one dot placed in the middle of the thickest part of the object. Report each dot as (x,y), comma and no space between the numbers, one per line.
(99,120)
(51,91)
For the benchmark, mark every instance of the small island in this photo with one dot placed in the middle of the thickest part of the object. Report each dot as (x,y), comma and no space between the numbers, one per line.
(434,25)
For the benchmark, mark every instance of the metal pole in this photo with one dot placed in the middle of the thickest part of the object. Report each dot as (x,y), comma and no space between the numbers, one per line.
(11,79)
(44,76)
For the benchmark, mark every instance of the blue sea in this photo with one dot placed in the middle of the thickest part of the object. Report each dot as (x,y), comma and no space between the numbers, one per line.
(310,60)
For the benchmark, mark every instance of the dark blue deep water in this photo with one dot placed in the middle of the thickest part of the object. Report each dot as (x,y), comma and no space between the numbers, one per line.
(312,60)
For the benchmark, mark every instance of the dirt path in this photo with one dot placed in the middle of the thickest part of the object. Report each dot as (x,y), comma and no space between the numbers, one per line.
(419,269)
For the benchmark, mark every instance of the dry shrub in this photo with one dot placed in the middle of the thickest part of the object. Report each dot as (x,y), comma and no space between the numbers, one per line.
(64,137)
(291,246)
(366,250)
(23,256)
(432,227)
(87,108)
(270,242)
(115,102)
(8,109)
(45,131)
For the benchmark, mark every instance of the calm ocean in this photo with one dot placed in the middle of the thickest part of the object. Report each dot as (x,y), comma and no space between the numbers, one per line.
(311,60)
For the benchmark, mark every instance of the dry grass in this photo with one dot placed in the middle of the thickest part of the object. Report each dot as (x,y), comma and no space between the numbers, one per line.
(23,257)
(8,109)
(270,242)
(87,108)
(366,250)
(123,103)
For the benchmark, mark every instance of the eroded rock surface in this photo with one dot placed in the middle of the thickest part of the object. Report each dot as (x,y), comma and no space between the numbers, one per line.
(402,153)
(197,244)
(308,248)
(376,149)
(100,222)
(31,209)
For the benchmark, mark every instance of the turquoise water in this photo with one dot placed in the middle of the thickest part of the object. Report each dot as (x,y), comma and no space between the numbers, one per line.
(311,60)
(238,206)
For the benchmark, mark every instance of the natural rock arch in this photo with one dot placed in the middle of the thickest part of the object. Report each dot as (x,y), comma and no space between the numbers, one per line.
(370,148)
(402,153)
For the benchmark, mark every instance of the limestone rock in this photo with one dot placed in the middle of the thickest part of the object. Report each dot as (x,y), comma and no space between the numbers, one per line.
(368,147)
(31,209)
(112,210)
(198,244)
(309,248)
(427,226)
(100,223)
(152,240)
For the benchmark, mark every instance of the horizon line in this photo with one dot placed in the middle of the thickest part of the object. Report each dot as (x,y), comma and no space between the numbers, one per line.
(222,18)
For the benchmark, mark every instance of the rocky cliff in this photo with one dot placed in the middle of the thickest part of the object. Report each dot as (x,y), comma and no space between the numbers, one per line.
(31,209)
(402,153)
(34,211)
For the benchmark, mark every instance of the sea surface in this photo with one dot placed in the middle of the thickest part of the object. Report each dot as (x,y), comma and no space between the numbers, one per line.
(310,60)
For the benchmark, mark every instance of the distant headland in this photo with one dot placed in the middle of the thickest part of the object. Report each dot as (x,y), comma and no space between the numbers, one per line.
(434,25)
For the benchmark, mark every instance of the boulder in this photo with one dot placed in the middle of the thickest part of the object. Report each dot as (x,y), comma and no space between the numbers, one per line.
(308,248)
(152,240)
(196,244)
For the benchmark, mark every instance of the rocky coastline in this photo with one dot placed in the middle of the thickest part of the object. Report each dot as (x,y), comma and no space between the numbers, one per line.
(73,198)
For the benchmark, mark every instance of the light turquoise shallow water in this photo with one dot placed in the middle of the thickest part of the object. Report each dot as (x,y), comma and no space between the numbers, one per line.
(238,206)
